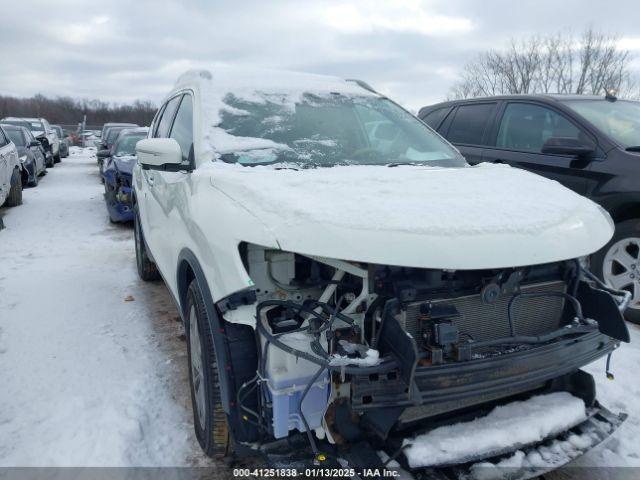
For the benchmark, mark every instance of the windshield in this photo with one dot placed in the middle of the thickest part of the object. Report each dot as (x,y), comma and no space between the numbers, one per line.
(620,119)
(16,137)
(327,130)
(36,126)
(127,145)
(113,134)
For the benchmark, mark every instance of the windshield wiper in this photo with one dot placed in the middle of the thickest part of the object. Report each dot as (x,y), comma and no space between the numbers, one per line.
(397,164)
(635,148)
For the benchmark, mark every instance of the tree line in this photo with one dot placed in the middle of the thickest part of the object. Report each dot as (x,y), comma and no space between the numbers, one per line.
(69,111)
(590,63)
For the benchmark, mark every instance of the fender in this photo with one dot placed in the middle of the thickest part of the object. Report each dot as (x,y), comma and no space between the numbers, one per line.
(187,258)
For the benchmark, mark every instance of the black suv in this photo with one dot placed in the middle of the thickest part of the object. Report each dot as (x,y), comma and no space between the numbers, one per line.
(589,144)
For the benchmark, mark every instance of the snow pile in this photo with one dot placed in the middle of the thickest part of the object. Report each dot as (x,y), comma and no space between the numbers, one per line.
(371,358)
(509,426)
(543,458)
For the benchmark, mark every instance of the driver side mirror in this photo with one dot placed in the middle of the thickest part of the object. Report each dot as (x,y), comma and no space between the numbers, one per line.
(160,154)
(103,153)
(567,146)
(34,143)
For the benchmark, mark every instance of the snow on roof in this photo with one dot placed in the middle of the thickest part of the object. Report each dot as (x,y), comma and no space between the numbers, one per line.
(253,85)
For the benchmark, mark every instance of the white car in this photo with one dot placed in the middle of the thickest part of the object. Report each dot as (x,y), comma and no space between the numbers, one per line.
(10,175)
(345,277)
(40,128)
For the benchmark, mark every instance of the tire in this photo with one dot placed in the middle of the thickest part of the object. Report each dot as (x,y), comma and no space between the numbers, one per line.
(56,158)
(147,269)
(209,419)
(618,264)
(51,162)
(34,182)
(15,194)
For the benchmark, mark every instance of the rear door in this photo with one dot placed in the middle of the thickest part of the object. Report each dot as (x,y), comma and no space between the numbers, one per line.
(521,132)
(468,127)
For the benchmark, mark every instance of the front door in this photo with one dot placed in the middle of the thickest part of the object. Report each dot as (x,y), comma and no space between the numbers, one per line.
(523,130)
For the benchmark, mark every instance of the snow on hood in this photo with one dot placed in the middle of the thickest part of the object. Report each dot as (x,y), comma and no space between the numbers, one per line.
(486,216)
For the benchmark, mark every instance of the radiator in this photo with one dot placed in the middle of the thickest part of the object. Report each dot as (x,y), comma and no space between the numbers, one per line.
(531,316)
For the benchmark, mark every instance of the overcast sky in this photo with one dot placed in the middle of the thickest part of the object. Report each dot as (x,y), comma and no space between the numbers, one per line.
(412,50)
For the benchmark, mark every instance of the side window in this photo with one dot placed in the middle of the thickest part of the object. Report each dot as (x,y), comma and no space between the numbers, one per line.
(164,123)
(470,123)
(182,130)
(433,119)
(3,139)
(527,127)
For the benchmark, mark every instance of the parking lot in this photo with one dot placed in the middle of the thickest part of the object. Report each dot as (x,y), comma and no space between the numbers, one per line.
(96,358)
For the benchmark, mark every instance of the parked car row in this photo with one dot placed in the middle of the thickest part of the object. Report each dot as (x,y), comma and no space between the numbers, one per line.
(28,146)
(348,281)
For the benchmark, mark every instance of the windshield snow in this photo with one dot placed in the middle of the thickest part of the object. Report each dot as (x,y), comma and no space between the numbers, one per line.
(327,130)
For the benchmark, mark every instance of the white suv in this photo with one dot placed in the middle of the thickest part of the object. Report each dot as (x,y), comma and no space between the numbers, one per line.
(344,276)
(10,175)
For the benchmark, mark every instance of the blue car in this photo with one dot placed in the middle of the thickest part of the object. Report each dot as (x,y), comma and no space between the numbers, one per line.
(116,173)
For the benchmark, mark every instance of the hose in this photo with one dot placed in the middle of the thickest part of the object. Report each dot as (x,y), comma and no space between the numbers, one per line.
(535,338)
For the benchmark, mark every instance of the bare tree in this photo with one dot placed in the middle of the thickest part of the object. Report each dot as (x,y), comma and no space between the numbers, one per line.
(557,63)
(67,110)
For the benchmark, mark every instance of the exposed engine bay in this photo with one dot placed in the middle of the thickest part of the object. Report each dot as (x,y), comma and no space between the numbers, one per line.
(352,351)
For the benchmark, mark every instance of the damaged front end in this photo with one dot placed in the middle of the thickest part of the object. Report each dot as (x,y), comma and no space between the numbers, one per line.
(117,175)
(364,358)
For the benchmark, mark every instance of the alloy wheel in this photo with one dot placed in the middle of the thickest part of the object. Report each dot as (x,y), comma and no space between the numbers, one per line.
(621,268)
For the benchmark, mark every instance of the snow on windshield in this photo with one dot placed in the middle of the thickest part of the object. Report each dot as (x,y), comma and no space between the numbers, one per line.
(310,120)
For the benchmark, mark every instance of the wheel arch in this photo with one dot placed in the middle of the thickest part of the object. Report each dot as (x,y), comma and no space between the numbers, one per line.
(189,269)
(626,211)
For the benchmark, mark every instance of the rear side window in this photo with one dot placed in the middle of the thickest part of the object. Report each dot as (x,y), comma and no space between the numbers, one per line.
(470,123)
(182,130)
(164,123)
(3,139)
(527,127)
(434,119)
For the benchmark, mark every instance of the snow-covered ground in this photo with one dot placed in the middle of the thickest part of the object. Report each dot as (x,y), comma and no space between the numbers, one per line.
(92,363)
(92,367)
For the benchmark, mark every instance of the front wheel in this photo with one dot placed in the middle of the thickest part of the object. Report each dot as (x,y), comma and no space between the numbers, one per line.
(209,419)
(147,269)
(618,264)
